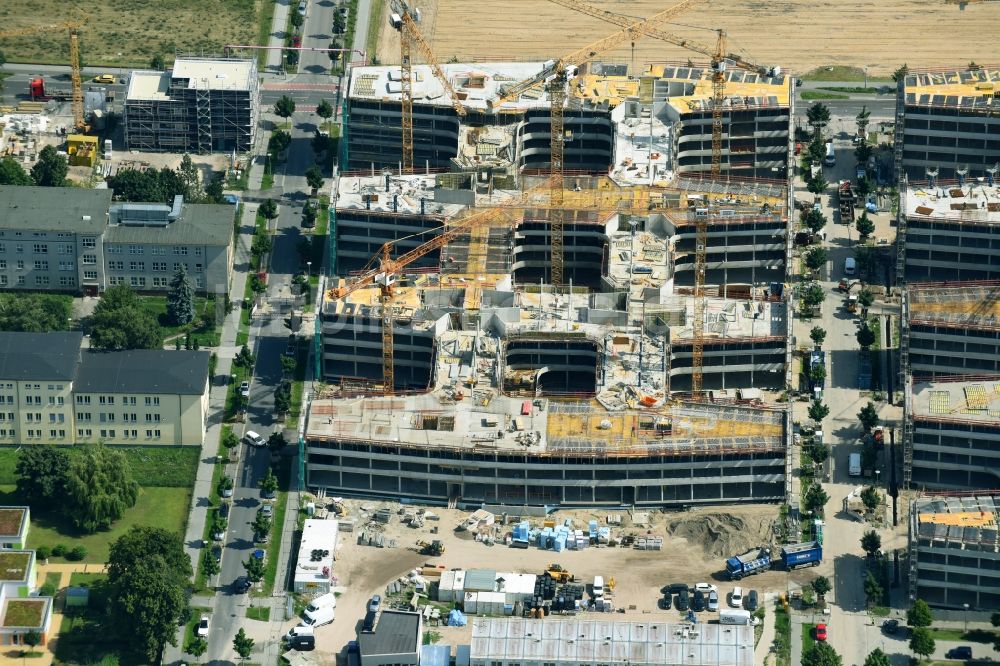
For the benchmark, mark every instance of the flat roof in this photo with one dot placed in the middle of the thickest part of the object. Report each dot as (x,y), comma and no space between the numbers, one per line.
(403,195)
(969,521)
(397,632)
(148,85)
(15,565)
(969,305)
(977,401)
(216,73)
(973,202)
(743,89)
(26,613)
(13,520)
(317,535)
(970,89)
(608,641)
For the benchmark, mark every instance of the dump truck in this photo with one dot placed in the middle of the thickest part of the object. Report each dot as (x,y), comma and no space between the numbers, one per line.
(808,553)
(748,564)
(846,201)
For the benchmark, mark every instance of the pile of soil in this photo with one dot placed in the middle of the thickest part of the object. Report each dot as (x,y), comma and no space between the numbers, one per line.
(720,534)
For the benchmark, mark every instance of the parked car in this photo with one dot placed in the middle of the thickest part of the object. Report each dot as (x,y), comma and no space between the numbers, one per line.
(304,643)
(698,601)
(242,584)
(253,438)
(104,78)
(245,389)
(736,597)
(821,632)
(713,601)
(217,553)
(226,486)
(665,602)
(890,626)
(266,510)
(267,494)
(960,652)
(683,600)
(224,510)
(203,626)
(705,588)
(752,601)
(375,604)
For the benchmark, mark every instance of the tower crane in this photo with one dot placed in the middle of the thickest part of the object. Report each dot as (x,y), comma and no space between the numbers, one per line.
(719,59)
(388,269)
(556,74)
(405,21)
(74,60)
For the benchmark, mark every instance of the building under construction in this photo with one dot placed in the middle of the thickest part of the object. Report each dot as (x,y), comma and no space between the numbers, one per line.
(667,110)
(955,551)
(951,350)
(202,105)
(947,123)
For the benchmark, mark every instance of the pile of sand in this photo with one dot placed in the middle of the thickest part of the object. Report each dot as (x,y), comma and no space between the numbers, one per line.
(720,534)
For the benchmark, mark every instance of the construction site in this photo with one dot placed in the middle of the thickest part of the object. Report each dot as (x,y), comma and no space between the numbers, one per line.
(558,283)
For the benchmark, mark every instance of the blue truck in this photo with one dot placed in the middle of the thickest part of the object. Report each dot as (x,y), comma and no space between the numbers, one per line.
(748,564)
(809,553)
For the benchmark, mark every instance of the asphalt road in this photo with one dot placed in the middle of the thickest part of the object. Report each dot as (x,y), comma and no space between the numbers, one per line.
(317,33)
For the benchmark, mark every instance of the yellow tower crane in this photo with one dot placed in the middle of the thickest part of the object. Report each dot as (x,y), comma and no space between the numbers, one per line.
(74,60)
(557,73)
(405,20)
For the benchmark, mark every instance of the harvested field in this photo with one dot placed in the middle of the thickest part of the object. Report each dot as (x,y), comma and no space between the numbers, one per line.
(128,32)
(799,35)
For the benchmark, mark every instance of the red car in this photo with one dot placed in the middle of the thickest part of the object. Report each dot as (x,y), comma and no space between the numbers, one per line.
(821,632)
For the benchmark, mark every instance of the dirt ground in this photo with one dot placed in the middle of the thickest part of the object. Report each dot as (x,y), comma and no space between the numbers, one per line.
(798,35)
(696,544)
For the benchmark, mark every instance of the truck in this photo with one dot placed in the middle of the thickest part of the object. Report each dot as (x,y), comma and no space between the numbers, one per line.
(854,464)
(37,92)
(734,616)
(846,201)
(752,562)
(808,553)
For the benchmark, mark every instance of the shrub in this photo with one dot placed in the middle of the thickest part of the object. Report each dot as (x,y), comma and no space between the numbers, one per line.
(59,550)
(43,553)
(48,590)
(76,554)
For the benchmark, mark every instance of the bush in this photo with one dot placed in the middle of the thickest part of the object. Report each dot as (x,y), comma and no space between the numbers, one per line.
(48,590)
(43,553)
(76,554)
(59,550)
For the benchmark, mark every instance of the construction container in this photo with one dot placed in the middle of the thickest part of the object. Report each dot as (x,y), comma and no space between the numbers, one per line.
(480,580)
(446,587)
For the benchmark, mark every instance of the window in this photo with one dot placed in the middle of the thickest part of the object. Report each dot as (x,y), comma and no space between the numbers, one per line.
(160,266)
(19,248)
(20,264)
(3,247)
(198,282)
(64,248)
(152,418)
(89,242)
(84,432)
(3,264)
(52,399)
(41,280)
(41,265)
(159,282)
(158,250)
(197,251)
(89,259)
(41,248)
(135,434)
(62,434)
(66,281)
(181,250)
(149,434)
(135,249)
(27,399)
(3,280)
(116,265)
(198,267)
(107,400)
(67,266)
(83,416)
(83,400)
(52,434)
(152,401)
(20,280)
(111,248)
(137,265)
(138,282)
(90,275)
(114,281)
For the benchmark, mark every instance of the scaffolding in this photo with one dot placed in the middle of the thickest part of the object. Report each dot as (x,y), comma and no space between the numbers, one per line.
(203,101)
(957,304)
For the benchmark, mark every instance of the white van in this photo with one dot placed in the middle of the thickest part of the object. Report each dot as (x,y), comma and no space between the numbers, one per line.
(328,600)
(319,617)
(854,464)
(850,266)
(598,587)
(301,630)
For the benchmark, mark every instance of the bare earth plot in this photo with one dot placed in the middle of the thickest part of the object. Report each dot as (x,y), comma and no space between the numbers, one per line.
(124,32)
(798,35)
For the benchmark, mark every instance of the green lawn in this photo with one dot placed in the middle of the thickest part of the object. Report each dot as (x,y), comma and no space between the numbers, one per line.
(782,636)
(860,90)
(818,94)
(259,613)
(80,579)
(189,629)
(274,544)
(841,73)
(975,635)
(374,24)
(151,466)
(807,637)
(156,507)
(206,337)
(264,20)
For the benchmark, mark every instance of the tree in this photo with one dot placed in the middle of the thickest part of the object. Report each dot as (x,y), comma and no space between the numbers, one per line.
(99,488)
(51,168)
(35,313)
(821,653)
(877,658)
(339,23)
(245,358)
(871,543)
(818,411)
(209,565)
(864,226)
(922,642)
(815,220)
(862,153)
(190,176)
(314,177)
(813,295)
(269,482)
(214,189)
(900,73)
(180,298)
(255,569)
(873,589)
(815,258)
(243,644)
(275,442)
(148,575)
(819,452)
(868,417)
(279,141)
(288,363)
(324,110)
(156,62)
(229,439)
(31,638)
(817,149)
(225,483)
(817,184)
(297,20)
(865,336)
(919,614)
(821,585)
(862,120)
(257,284)
(11,173)
(285,106)
(268,209)
(120,322)
(308,220)
(815,499)
(320,143)
(157,186)
(196,646)
(818,116)
(865,187)
(871,498)
(817,335)
(817,374)
(283,397)
(41,475)
(865,299)
(261,527)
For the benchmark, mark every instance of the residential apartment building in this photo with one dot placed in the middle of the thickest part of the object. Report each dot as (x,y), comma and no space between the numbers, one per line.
(52,392)
(202,105)
(947,121)
(73,240)
(955,551)
(51,238)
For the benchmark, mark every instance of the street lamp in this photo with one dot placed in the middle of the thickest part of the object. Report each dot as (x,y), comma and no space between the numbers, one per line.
(878,475)
(966,607)
(309,268)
